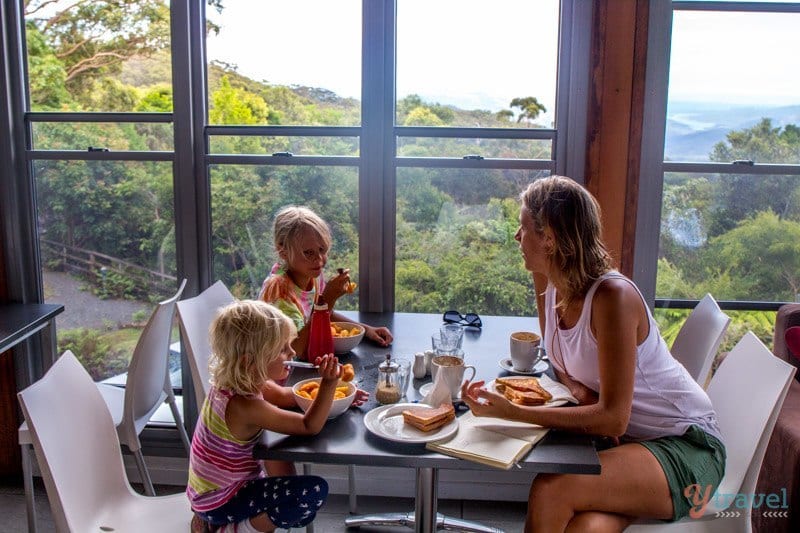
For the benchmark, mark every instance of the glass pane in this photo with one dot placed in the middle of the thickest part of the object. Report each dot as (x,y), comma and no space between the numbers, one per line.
(133,136)
(466,63)
(107,237)
(455,242)
(99,56)
(244,200)
(734,236)
(295,62)
(457,147)
(721,83)
(241,144)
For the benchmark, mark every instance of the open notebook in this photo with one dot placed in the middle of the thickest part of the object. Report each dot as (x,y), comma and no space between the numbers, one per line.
(491,441)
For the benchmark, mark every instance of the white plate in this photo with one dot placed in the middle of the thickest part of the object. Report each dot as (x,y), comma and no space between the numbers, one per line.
(386,421)
(561,394)
(425,389)
(506,365)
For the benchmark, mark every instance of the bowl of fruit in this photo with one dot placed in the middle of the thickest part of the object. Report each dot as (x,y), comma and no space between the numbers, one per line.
(346,336)
(305,392)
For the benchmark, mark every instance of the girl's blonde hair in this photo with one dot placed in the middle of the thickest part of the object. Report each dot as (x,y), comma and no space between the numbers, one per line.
(573,214)
(291,221)
(246,336)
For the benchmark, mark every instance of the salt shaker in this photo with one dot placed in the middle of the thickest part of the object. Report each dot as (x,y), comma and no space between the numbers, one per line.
(419,369)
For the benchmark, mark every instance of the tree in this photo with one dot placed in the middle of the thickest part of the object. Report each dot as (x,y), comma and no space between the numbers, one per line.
(93,38)
(529,108)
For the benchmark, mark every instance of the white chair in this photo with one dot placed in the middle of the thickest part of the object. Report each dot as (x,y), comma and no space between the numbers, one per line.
(699,338)
(78,451)
(147,387)
(195,316)
(747,392)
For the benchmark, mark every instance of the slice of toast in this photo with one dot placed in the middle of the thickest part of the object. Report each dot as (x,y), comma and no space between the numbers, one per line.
(427,419)
(524,391)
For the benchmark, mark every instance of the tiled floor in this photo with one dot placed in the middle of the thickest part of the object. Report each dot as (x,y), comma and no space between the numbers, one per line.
(506,516)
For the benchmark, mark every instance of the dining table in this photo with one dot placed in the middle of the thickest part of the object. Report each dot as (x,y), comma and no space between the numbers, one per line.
(346,440)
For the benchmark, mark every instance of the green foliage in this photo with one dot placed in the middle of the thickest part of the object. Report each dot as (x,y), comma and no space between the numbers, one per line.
(529,108)
(157,98)
(46,72)
(113,285)
(95,351)
(231,105)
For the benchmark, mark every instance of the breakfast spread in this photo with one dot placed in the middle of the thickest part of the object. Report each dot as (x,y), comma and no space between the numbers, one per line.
(427,419)
(522,391)
(309,391)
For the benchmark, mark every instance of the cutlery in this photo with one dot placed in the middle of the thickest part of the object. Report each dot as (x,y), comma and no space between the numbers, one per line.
(300,364)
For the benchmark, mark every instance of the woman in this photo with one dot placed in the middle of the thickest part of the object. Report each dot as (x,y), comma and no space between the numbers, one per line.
(605,346)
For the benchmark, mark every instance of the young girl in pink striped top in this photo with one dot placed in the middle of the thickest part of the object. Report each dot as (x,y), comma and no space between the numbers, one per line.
(250,341)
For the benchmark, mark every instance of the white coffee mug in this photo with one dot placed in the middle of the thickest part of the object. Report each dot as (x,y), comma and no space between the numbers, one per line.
(453,370)
(525,350)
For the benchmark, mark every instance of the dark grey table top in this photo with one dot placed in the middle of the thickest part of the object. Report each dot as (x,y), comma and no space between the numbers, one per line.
(345,440)
(19,321)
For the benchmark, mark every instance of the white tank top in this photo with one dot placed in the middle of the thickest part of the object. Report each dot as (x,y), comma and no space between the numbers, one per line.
(666,399)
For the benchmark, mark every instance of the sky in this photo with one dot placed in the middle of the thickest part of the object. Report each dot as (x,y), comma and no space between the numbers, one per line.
(447,49)
(459,52)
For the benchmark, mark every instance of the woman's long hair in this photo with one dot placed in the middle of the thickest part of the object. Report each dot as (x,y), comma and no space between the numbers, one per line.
(573,215)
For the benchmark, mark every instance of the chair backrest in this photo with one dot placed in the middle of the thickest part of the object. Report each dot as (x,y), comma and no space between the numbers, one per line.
(747,392)
(75,443)
(195,315)
(148,372)
(699,338)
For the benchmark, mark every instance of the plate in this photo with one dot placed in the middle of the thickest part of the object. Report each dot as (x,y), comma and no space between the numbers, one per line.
(386,422)
(561,394)
(425,389)
(506,365)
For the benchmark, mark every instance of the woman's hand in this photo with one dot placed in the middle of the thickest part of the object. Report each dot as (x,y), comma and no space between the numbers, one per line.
(361,398)
(483,402)
(329,368)
(380,335)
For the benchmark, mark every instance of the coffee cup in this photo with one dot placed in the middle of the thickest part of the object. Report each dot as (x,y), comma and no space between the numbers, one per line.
(452,369)
(525,350)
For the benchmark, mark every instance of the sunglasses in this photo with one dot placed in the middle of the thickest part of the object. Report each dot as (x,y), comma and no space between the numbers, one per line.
(470,319)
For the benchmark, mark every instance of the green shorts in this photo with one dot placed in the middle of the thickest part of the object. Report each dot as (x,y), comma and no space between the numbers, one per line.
(692,458)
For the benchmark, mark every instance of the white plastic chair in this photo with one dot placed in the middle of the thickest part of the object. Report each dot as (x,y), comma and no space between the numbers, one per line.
(147,387)
(78,451)
(699,338)
(747,392)
(195,316)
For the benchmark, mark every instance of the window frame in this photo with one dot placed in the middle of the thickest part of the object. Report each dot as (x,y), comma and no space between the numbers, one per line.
(653,166)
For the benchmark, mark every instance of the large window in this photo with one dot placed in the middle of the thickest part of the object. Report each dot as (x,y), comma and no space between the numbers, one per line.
(730,215)
(161,138)
(100,145)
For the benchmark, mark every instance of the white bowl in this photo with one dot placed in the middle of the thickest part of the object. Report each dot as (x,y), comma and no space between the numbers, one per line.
(339,406)
(342,345)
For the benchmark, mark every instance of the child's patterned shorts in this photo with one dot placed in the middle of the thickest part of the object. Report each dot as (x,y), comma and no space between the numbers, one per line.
(289,501)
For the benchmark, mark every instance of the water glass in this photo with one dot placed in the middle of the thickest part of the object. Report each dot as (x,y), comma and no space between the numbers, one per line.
(452,336)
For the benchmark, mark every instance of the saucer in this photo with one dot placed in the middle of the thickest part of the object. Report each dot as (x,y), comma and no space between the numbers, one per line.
(425,389)
(506,365)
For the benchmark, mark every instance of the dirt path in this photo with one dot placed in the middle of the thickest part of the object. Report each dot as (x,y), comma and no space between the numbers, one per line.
(84,309)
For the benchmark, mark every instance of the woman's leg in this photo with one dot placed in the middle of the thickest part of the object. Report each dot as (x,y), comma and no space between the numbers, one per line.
(631,484)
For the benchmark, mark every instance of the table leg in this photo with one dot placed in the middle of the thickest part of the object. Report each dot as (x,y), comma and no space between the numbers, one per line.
(425,505)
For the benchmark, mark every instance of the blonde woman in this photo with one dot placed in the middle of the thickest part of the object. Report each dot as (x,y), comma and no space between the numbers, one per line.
(250,342)
(605,346)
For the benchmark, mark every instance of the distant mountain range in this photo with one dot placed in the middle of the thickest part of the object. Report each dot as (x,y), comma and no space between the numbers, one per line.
(693,128)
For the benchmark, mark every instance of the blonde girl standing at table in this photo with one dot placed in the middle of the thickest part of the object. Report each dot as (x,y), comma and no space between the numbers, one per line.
(302,241)
(228,488)
(605,346)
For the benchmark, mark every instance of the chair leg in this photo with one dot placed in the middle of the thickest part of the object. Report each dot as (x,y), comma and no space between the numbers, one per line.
(351,487)
(27,480)
(179,423)
(145,475)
